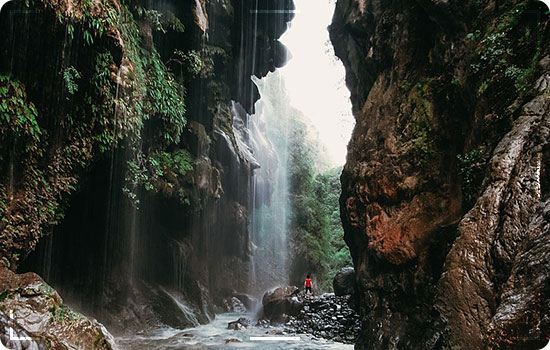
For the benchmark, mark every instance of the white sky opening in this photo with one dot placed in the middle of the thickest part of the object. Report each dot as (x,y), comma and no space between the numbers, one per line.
(315,78)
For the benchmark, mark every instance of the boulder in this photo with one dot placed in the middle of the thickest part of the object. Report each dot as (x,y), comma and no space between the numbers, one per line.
(233,304)
(239,324)
(38,311)
(248,300)
(279,301)
(232,340)
(344,282)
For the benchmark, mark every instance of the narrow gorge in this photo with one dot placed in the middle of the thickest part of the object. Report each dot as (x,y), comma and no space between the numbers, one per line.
(172,174)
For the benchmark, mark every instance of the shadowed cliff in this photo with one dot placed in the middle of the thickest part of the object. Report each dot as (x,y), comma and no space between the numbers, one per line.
(122,183)
(447,171)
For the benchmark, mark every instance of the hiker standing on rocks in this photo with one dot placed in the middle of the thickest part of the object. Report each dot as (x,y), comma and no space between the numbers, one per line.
(308,285)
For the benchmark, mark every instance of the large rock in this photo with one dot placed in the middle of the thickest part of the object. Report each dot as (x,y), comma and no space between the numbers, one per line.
(249,301)
(233,304)
(344,282)
(31,308)
(281,301)
(523,316)
(446,167)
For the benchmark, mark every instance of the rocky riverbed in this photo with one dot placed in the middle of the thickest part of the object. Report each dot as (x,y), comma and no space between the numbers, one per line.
(325,316)
(217,336)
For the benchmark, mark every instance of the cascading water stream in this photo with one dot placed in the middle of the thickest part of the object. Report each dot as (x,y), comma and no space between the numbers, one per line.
(270,214)
(320,101)
(267,143)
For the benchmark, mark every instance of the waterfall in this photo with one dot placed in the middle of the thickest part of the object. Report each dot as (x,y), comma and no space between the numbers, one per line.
(186,310)
(266,142)
(180,256)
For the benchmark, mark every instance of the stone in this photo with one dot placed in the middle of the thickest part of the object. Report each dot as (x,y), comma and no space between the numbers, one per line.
(279,301)
(38,311)
(232,340)
(239,324)
(322,316)
(235,305)
(249,301)
(344,281)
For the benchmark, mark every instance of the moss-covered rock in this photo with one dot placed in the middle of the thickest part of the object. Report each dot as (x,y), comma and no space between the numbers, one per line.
(31,308)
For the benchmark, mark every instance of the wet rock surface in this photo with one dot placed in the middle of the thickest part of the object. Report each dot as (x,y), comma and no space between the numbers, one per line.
(325,316)
(247,300)
(522,319)
(281,301)
(239,324)
(446,171)
(32,309)
(344,282)
(234,302)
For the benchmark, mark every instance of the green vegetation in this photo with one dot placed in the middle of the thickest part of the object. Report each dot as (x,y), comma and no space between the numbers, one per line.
(192,60)
(71,75)
(155,94)
(159,22)
(174,164)
(101,100)
(154,90)
(61,314)
(152,16)
(93,18)
(18,118)
(208,54)
(22,138)
(161,170)
(472,165)
(108,101)
(416,122)
(499,61)
(315,225)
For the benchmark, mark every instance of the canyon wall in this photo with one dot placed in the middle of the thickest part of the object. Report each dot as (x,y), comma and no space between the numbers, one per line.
(445,188)
(123,181)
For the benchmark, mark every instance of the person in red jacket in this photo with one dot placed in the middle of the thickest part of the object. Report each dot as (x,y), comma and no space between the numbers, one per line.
(308,285)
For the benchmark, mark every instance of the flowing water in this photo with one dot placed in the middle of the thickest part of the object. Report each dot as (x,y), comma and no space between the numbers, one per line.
(215,335)
(270,216)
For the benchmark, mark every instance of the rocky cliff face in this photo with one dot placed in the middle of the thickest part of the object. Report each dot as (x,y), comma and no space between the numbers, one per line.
(121,171)
(447,171)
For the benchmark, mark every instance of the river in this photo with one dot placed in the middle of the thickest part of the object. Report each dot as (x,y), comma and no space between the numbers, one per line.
(215,335)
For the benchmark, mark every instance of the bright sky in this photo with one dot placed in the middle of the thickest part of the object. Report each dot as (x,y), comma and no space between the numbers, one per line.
(315,79)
